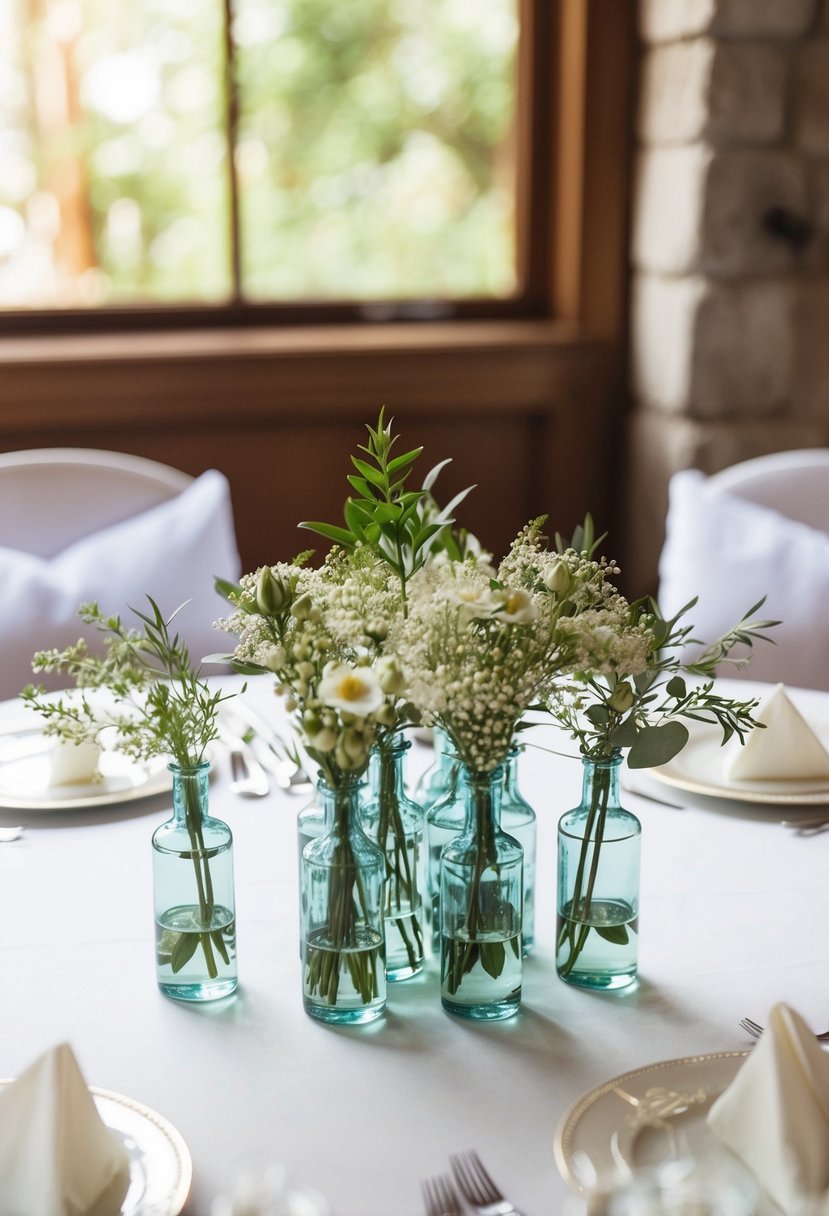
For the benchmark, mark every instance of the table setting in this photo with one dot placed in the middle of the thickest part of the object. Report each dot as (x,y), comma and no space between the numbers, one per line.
(290,958)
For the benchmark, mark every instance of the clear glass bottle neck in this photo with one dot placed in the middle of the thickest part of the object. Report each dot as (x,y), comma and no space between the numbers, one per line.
(600,778)
(483,793)
(190,791)
(340,804)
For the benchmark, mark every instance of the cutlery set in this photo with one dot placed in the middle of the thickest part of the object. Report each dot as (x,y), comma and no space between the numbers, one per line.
(473,1183)
(258,753)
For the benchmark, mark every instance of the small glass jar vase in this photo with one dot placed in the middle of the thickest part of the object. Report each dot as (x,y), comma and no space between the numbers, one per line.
(195,910)
(599,845)
(342,879)
(518,820)
(395,823)
(481,887)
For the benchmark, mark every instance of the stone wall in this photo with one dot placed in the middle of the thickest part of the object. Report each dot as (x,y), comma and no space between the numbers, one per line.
(730,246)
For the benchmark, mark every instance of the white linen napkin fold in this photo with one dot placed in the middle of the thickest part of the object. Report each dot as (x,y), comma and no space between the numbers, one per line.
(57,1157)
(73,763)
(787,749)
(775,1114)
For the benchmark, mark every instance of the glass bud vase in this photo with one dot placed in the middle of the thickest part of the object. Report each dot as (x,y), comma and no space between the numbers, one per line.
(481,887)
(518,820)
(440,778)
(599,843)
(195,910)
(395,823)
(444,822)
(342,879)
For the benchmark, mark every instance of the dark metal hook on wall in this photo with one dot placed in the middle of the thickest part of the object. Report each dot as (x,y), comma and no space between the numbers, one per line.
(786,226)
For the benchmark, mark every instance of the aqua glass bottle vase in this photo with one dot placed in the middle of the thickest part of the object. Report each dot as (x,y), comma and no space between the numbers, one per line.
(445,821)
(518,820)
(481,886)
(342,881)
(599,845)
(195,910)
(395,823)
(440,778)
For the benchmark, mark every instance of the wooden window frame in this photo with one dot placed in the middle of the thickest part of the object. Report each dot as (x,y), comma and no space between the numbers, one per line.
(555,366)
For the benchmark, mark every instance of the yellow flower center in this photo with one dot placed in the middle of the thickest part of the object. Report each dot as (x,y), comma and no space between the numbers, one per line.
(515,602)
(350,688)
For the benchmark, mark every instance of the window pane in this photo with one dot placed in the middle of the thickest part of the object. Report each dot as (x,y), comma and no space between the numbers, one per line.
(112,140)
(377,149)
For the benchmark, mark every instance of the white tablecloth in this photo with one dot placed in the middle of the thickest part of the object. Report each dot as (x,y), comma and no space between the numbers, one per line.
(733,918)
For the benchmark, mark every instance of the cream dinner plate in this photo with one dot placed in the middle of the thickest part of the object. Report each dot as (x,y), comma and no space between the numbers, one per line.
(161,1170)
(642,1119)
(700,768)
(26,767)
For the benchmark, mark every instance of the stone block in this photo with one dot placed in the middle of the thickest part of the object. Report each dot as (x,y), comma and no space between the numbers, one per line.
(811,98)
(669,193)
(674,90)
(743,191)
(762,18)
(744,350)
(810,373)
(662,329)
(747,94)
(667,20)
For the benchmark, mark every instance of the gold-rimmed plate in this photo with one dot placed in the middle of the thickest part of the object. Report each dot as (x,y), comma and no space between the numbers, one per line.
(641,1118)
(701,768)
(161,1169)
(24,782)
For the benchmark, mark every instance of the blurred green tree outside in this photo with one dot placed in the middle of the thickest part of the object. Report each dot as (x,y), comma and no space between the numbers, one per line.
(374,156)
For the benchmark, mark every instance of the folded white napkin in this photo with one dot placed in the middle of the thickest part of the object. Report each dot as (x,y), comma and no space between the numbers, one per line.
(73,763)
(57,1157)
(787,748)
(775,1114)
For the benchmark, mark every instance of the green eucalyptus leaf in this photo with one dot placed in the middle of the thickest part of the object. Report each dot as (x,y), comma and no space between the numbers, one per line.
(657,745)
(597,715)
(617,934)
(624,735)
(493,957)
(676,687)
(184,949)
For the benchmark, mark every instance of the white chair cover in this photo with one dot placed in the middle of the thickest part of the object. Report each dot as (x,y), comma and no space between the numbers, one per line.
(137,538)
(730,549)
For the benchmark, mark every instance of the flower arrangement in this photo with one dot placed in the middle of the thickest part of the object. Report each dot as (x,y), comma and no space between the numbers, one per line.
(157,705)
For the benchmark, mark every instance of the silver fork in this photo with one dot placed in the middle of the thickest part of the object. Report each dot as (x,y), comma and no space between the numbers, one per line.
(477,1187)
(755,1030)
(439,1196)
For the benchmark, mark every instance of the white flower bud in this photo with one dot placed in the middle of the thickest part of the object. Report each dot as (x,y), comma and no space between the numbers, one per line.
(302,608)
(389,675)
(557,578)
(272,594)
(621,698)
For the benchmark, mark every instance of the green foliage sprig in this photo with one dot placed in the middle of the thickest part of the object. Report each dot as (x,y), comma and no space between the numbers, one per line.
(159,705)
(397,524)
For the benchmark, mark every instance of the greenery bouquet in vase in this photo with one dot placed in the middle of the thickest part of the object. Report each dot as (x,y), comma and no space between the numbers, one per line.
(145,691)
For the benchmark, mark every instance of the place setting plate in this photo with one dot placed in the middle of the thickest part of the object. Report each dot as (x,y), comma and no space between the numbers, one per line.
(24,782)
(161,1169)
(701,768)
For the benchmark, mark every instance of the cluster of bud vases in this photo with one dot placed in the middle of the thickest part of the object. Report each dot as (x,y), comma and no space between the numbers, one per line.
(376,900)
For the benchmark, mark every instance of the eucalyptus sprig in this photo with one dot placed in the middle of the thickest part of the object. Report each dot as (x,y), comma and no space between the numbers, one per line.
(394,522)
(157,702)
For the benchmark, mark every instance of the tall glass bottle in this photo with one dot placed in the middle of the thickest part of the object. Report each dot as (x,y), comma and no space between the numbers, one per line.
(599,846)
(195,910)
(481,886)
(342,880)
(518,819)
(444,822)
(395,823)
(440,778)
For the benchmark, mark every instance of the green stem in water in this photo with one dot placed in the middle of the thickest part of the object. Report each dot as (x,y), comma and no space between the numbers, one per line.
(600,792)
